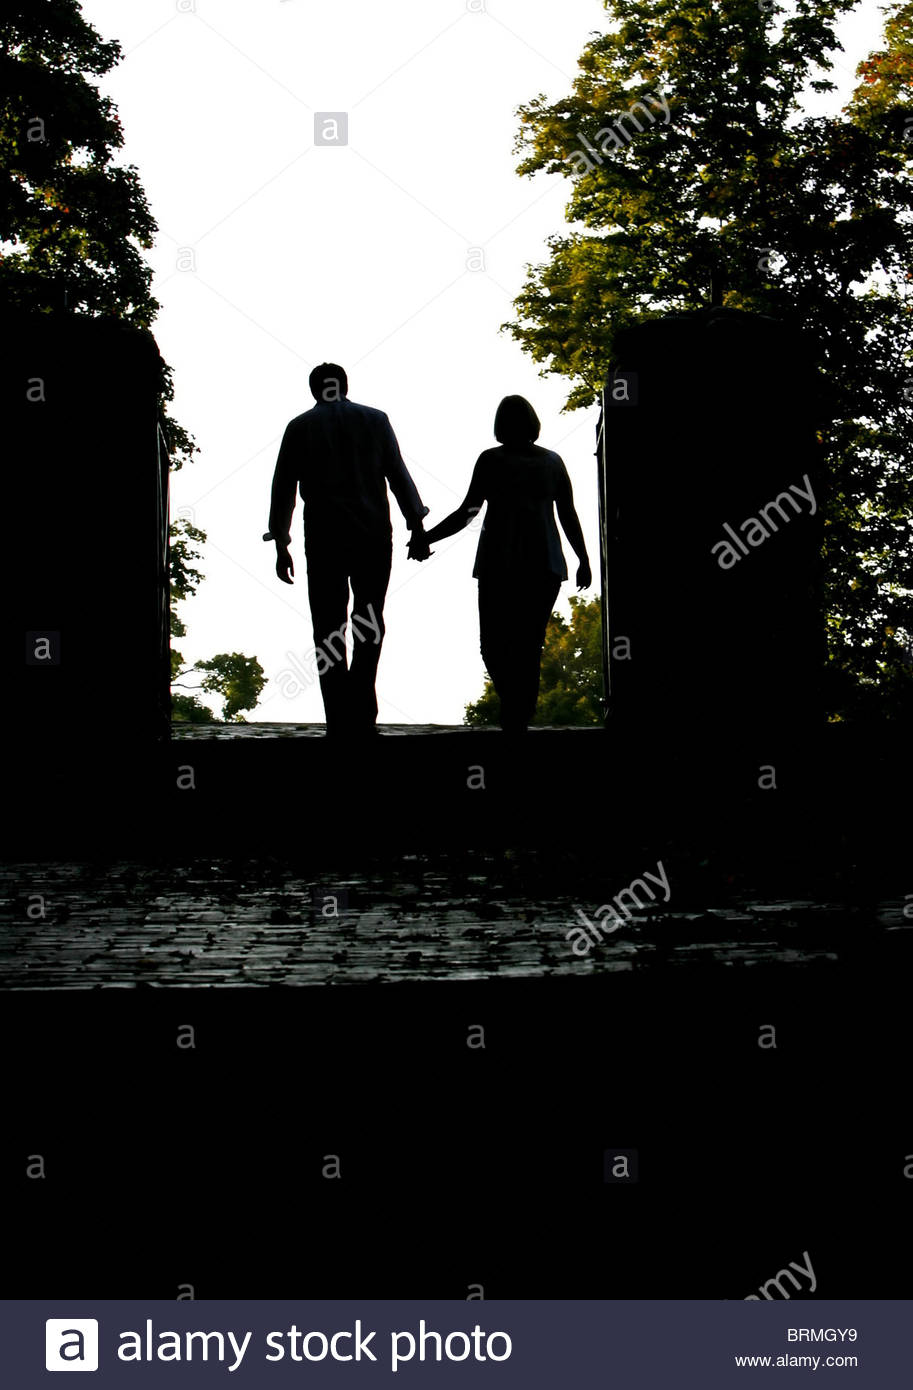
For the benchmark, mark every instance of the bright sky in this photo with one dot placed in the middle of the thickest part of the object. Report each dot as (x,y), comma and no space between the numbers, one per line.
(397,255)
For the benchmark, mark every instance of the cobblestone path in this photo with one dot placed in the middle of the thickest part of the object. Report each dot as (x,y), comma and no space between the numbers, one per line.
(230,922)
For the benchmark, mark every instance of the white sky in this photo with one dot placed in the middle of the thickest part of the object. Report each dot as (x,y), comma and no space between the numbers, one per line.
(293,254)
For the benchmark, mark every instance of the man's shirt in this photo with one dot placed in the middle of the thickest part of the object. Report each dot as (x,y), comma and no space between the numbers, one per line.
(340,456)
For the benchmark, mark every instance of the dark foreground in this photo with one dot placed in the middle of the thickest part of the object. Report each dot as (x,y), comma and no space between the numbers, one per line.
(314,1026)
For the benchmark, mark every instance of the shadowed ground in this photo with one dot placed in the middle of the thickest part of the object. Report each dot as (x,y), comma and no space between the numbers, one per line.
(262,922)
(167,909)
(291,860)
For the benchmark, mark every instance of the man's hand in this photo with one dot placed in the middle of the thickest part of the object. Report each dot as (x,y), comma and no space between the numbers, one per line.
(285,565)
(419,549)
(584,576)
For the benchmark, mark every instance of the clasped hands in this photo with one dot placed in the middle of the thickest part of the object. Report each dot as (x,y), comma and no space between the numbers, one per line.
(419,549)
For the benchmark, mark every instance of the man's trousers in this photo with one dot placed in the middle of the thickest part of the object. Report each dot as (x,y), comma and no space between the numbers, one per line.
(349,698)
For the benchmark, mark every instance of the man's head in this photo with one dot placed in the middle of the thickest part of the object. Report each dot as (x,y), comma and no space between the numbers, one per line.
(328,382)
(516,422)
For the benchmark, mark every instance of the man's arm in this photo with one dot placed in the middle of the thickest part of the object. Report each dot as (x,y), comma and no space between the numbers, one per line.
(401,484)
(284,491)
(282,504)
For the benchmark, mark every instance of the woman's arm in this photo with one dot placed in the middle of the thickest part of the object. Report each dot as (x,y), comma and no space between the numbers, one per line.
(570,524)
(471,504)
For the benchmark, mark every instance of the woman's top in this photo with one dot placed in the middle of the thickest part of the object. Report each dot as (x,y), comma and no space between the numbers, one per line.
(521,485)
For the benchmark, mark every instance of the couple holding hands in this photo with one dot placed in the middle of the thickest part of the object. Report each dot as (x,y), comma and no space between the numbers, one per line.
(340,456)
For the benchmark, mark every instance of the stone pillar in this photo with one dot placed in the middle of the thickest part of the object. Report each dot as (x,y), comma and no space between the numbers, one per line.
(85,549)
(711,498)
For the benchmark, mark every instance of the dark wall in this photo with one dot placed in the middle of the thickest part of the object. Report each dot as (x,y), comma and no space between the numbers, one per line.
(85,549)
(707,419)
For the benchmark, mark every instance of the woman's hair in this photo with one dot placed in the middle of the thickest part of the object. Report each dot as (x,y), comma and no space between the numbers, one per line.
(516,422)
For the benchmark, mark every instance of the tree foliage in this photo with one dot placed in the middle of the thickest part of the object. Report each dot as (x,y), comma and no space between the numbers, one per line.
(238,679)
(184,576)
(884,95)
(571,683)
(74,224)
(805,219)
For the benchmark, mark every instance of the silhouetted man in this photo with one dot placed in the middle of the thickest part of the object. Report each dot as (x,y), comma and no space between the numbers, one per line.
(340,457)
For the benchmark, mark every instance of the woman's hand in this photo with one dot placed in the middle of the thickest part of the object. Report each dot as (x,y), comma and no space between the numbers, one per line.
(584,575)
(419,549)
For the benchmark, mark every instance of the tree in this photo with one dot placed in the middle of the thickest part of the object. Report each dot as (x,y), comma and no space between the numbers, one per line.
(184,581)
(571,684)
(73,227)
(688,157)
(73,223)
(237,678)
(885,93)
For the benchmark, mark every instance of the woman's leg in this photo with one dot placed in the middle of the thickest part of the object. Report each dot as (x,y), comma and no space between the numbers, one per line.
(494,636)
(531,637)
(512,629)
(490,640)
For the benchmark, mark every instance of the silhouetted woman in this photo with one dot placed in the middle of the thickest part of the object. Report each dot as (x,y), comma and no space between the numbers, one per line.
(519,563)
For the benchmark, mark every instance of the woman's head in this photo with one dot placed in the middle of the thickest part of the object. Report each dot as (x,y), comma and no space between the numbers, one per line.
(516,422)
